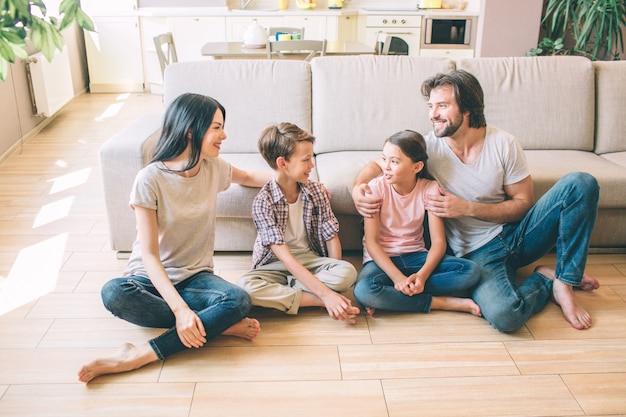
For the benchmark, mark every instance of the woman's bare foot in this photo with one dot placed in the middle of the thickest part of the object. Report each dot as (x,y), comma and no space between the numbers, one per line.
(588,283)
(465,305)
(246,329)
(574,313)
(129,357)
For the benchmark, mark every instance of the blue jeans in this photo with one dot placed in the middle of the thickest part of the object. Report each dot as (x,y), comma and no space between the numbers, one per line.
(217,302)
(563,217)
(375,289)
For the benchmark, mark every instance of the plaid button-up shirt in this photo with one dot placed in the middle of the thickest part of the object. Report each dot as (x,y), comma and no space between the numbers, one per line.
(270,212)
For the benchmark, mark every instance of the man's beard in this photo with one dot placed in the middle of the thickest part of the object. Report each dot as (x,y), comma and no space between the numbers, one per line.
(449,128)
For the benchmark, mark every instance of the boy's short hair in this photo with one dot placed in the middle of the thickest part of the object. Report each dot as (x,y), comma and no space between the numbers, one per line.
(281,140)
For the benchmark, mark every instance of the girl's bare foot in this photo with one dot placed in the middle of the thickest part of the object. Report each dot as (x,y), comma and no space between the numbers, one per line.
(465,305)
(588,283)
(246,329)
(129,357)
(574,313)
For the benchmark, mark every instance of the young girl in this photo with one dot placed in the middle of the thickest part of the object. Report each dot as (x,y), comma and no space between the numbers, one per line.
(399,273)
(169,280)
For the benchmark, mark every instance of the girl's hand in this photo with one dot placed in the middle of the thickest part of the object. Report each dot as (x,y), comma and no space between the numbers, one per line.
(415,284)
(190,328)
(402,286)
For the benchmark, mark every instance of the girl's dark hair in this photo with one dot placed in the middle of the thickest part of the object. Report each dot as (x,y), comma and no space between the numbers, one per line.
(281,140)
(413,145)
(467,92)
(186,121)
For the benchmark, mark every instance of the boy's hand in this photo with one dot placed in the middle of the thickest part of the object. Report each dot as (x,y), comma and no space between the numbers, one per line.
(340,307)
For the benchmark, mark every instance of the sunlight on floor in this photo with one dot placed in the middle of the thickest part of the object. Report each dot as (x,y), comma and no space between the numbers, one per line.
(53,211)
(67,181)
(34,273)
(113,109)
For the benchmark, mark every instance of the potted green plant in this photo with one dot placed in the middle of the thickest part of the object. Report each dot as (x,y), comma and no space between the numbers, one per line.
(594,26)
(22,19)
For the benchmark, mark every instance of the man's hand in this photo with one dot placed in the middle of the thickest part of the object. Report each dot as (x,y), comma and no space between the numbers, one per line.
(365,204)
(447,205)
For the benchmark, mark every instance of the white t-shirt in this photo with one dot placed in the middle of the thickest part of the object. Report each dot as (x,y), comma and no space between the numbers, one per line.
(185,216)
(501,162)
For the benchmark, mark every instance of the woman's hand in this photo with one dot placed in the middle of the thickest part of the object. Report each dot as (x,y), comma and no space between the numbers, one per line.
(190,328)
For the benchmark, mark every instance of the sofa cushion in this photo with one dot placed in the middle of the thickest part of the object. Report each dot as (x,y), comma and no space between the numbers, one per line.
(255,93)
(610,105)
(553,96)
(546,167)
(618,158)
(338,170)
(358,101)
(236,201)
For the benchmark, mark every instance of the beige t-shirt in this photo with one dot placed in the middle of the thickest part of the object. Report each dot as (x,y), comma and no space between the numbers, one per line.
(185,215)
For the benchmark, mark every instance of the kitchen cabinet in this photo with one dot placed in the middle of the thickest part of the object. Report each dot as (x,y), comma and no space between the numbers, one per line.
(114,56)
(448,53)
(237,26)
(191,33)
(341,28)
(314,26)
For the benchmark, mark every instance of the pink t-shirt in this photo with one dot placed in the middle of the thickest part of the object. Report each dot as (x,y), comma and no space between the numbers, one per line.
(401,217)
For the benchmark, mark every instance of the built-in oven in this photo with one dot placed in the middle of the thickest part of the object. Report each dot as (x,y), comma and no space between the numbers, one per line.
(405,27)
(448,32)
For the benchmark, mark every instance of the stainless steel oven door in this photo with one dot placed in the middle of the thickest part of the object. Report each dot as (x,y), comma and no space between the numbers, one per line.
(450,32)
(405,27)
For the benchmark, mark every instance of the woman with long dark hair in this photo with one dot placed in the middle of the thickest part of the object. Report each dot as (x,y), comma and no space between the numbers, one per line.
(169,281)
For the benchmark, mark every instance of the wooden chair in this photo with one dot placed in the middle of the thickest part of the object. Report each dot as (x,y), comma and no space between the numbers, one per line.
(295,47)
(165,49)
(274,29)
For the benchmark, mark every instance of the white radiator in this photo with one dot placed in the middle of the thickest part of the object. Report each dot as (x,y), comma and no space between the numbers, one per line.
(50,82)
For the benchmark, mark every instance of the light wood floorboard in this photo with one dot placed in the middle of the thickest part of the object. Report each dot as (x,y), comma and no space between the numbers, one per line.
(55,256)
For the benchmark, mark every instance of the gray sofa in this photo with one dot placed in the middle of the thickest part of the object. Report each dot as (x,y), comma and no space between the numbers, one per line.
(566,111)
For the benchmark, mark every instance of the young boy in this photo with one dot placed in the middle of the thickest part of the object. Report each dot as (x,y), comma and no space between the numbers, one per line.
(297,253)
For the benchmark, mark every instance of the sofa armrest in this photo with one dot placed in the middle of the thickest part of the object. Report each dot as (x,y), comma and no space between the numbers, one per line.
(121,157)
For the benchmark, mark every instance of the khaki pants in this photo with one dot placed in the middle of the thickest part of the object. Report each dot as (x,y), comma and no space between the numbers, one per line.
(273,286)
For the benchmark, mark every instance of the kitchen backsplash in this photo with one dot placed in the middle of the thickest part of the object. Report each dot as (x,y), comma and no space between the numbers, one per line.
(472,5)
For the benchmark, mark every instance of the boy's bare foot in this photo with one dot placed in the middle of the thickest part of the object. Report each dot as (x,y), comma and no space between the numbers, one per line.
(246,329)
(465,305)
(129,357)
(588,282)
(574,313)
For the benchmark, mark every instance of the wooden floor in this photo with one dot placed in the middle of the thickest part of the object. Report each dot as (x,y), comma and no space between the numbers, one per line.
(54,257)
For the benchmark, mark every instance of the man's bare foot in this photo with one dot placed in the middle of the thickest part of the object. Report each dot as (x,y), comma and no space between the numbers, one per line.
(574,313)
(465,305)
(246,329)
(588,282)
(129,357)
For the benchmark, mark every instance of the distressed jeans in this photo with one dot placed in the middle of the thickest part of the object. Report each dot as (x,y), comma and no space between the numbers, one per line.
(217,302)
(563,218)
(375,289)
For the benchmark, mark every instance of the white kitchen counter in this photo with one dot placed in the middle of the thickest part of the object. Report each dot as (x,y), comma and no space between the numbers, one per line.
(320,11)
